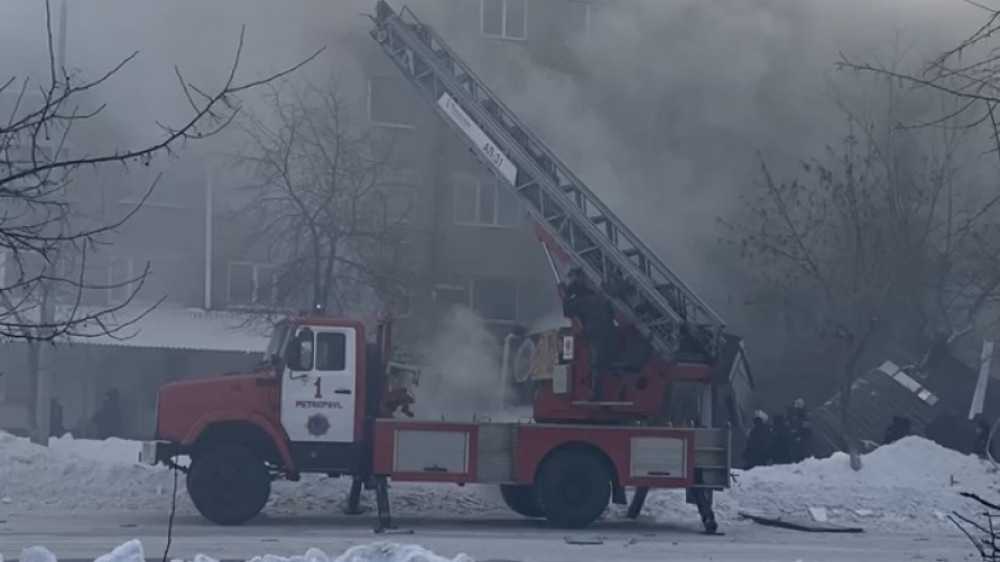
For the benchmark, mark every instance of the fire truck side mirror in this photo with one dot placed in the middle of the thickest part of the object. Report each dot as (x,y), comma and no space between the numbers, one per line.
(299,354)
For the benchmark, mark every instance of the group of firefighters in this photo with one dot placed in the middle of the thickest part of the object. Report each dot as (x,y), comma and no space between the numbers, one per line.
(781,439)
(105,423)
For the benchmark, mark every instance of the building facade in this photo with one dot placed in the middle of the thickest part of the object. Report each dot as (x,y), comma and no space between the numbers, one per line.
(478,246)
(469,241)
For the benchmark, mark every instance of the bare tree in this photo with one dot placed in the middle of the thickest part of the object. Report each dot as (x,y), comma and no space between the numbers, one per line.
(981,529)
(322,205)
(876,240)
(967,73)
(967,76)
(45,241)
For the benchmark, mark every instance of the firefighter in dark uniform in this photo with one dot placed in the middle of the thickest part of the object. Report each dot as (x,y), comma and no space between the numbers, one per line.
(800,431)
(758,448)
(597,321)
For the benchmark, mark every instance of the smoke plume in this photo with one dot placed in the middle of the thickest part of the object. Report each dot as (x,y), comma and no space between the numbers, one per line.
(462,373)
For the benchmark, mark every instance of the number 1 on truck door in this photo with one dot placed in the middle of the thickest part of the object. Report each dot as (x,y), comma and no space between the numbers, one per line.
(318,399)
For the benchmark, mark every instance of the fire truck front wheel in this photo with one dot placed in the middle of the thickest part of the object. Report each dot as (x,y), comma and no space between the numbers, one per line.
(573,487)
(522,500)
(229,485)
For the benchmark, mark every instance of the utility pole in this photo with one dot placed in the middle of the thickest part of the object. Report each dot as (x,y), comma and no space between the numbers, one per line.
(47,301)
(43,378)
(61,56)
(209,229)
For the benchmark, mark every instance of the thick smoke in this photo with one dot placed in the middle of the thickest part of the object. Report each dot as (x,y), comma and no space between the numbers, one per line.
(680,96)
(677,97)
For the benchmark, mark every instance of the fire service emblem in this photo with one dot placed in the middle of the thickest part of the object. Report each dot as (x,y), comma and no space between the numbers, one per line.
(318,425)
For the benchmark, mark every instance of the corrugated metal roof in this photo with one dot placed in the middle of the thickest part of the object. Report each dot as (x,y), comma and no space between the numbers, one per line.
(167,327)
(943,389)
(876,397)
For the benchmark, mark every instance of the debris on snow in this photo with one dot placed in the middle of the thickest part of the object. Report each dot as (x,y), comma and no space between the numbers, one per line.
(900,486)
(818,514)
(584,540)
(800,524)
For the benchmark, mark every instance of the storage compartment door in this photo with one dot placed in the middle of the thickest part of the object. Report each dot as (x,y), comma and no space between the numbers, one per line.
(658,457)
(423,451)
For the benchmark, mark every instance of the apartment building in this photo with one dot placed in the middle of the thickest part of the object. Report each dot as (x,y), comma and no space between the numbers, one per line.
(478,248)
(470,243)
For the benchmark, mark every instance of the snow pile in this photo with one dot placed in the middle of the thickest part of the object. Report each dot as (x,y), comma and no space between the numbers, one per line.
(63,476)
(85,475)
(132,551)
(912,483)
(113,450)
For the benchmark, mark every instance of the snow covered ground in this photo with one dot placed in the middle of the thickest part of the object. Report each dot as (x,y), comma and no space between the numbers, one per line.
(909,485)
(83,539)
(132,551)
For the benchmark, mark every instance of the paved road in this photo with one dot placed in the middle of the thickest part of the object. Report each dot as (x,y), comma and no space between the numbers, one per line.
(85,536)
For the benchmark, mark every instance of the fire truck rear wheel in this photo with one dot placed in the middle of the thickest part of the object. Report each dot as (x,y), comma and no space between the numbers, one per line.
(229,485)
(573,488)
(522,500)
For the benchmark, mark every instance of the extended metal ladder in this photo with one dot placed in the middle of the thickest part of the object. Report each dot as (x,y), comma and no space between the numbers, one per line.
(679,324)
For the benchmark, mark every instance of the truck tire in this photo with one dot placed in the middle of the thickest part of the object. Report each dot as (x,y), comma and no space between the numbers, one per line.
(229,485)
(522,500)
(573,488)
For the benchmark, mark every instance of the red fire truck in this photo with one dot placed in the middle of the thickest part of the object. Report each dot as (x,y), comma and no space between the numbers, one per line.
(324,399)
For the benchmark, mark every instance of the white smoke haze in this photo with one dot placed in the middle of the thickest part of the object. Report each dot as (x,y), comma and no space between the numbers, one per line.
(461,377)
(678,96)
(675,99)
(681,95)
(461,374)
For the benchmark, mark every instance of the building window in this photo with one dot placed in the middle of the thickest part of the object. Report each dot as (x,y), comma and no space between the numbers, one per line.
(251,285)
(391,102)
(505,19)
(121,280)
(576,16)
(484,202)
(494,298)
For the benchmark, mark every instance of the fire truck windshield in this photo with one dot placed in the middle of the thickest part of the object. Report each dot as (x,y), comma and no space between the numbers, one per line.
(276,347)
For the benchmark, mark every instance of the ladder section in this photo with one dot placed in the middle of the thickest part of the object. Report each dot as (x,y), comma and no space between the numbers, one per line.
(679,324)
